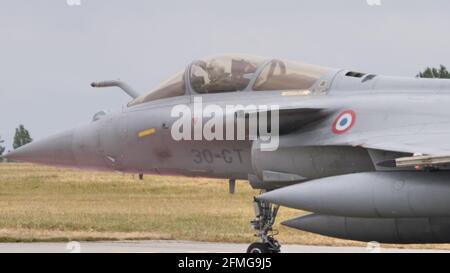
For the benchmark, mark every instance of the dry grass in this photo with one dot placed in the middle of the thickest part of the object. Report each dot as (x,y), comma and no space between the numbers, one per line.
(48,204)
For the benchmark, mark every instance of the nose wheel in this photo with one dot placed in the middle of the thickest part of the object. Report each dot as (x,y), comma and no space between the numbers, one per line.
(259,248)
(262,224)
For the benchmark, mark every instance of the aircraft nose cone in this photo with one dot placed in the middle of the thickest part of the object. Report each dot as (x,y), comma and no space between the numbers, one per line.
(55,150)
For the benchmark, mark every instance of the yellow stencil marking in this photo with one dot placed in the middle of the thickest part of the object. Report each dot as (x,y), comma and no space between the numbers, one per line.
(296,93)
(147,132)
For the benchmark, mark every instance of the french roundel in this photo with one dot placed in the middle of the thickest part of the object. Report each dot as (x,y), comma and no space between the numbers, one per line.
(344,122)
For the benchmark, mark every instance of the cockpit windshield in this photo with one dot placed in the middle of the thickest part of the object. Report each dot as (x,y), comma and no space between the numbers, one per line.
(223,73)
(172,87)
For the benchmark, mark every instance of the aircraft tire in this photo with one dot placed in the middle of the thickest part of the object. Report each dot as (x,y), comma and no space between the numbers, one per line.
(258,248)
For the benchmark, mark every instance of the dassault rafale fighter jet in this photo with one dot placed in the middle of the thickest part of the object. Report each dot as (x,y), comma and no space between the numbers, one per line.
(367,155)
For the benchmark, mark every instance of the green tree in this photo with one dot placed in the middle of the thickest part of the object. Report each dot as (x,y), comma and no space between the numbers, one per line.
(2,148)
(21,137)
(435,73)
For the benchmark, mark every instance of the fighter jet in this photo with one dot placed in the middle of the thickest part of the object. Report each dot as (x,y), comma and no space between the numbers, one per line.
(366,155)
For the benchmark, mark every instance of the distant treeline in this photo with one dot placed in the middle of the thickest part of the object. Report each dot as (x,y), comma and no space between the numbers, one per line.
(21,137)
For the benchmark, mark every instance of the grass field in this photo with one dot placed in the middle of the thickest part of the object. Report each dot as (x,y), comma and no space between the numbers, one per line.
(48,204)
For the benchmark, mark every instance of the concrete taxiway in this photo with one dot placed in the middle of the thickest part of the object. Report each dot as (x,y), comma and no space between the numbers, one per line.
(183,247)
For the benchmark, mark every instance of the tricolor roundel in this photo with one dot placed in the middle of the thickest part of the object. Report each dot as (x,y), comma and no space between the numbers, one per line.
(344,122)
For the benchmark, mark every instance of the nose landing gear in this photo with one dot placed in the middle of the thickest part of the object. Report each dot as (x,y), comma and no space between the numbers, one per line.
(262,224)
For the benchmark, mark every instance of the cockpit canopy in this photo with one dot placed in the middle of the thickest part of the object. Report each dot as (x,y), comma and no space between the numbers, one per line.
(223,73)
(230,73)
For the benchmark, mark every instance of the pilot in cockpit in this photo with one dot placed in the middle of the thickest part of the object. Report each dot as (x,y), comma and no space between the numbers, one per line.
(219,75)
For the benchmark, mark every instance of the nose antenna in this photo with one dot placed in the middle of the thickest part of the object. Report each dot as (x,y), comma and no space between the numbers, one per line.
(122,85)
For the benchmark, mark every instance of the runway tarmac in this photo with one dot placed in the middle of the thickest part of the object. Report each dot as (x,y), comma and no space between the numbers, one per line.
(183,247)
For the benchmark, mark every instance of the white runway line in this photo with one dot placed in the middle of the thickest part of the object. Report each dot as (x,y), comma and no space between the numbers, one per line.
(182,247)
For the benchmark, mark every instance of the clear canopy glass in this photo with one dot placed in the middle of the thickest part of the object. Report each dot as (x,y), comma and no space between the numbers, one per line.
(225,73)
(172,87)
(284,75)
(234,72)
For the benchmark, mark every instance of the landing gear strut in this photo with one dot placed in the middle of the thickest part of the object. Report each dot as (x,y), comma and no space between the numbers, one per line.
(262,224)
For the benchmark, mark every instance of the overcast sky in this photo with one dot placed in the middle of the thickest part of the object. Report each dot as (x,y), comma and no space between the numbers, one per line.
(50,51)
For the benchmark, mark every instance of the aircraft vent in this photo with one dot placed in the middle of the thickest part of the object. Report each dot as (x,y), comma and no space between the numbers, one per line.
(355,74)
